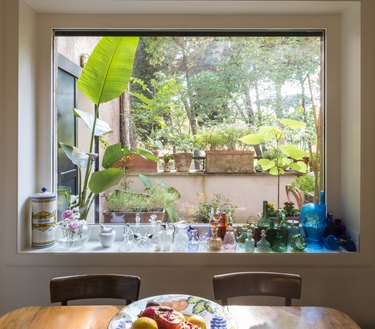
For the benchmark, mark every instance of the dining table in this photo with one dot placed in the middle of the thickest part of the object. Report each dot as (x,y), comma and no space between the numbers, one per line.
(240,317)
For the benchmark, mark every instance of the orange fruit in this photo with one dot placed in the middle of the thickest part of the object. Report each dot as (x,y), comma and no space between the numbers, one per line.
(198,321)
(144,323)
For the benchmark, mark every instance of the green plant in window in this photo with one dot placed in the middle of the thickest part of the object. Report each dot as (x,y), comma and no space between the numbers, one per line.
(222,137)
(217,201)
(104,78)
(156,196)
(286,155)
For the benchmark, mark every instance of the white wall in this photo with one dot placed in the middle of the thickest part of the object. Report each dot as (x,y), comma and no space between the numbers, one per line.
(342,281)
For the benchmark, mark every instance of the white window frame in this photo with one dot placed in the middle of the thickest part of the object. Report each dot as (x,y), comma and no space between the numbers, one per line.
(343,90)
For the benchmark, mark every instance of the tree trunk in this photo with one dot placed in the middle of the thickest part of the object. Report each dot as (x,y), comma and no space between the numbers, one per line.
(125,133)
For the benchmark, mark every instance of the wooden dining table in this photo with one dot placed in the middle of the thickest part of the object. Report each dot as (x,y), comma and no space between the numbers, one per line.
(240,317)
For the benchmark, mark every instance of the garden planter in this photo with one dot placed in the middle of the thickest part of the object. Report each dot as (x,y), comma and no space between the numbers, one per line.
(167,166)
(229,161)
(136,163)
(183,161)
(129,217)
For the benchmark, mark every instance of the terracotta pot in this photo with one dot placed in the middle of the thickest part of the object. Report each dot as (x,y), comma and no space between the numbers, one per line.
(167,166)
(136,163)
(183,161)
(230,161)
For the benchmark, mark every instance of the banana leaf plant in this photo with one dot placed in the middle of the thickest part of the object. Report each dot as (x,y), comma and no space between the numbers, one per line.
(286,154)
(105,77)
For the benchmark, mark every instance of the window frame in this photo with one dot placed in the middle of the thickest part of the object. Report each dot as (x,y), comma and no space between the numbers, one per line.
(45,169)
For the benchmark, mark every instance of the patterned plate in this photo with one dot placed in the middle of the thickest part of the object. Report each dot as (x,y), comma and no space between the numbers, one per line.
(213,313)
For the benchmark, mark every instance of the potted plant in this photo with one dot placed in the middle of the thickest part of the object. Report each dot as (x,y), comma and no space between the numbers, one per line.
(184,145)
(167,161)
(139,162)
(111,64)
(225,153)
(304,187)
(157,198)
(289,210)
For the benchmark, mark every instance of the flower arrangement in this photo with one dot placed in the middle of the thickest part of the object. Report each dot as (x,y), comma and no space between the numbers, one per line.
(73,231)
(272,212)
(289,209)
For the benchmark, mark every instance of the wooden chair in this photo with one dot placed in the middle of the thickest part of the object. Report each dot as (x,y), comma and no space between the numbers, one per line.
(257,284)
(118,286)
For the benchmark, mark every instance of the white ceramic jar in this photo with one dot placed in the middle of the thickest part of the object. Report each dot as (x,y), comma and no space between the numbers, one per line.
(44,209)
(107,236)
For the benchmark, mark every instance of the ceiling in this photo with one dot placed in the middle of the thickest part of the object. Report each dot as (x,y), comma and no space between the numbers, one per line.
(185,6)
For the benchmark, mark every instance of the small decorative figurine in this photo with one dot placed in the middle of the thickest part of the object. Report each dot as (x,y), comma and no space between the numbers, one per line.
(107,236)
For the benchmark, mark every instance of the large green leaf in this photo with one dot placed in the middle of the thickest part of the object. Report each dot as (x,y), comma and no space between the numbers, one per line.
(252,139)
(293,151)
(293,124)
(108,69)
(146,181)
(266,164)
(101,127)
(270,133)
(274,171)
(298,166)
(146,154)
(78,157)
(104,179)
(114,153)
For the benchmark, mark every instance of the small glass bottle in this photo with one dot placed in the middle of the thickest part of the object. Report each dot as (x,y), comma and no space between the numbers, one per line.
(127,244)
(264,221)
(263,244)
(229,241)
(214,243)
(212,222)
(249,242)
(193,244)
(181,239)
(222,225)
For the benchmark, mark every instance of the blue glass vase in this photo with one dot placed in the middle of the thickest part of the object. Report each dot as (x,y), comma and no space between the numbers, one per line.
(314,220)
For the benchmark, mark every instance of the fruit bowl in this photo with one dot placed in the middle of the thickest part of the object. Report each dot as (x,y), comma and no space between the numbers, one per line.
(214,314)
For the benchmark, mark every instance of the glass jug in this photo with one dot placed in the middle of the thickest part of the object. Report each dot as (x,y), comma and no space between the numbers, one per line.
(181,239)
(166,236)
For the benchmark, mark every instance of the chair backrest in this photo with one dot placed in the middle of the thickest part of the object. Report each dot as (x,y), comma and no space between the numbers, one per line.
(257,284)
(118,286)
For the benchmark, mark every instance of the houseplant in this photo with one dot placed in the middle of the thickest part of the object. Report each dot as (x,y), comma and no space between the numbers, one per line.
(225,153)
(104,78)
(183,145)
(156,198)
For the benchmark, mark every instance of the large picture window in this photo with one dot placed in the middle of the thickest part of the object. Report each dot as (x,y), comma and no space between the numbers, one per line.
(255,96)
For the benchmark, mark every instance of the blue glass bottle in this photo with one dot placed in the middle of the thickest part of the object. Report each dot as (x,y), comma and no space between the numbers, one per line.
(314,220)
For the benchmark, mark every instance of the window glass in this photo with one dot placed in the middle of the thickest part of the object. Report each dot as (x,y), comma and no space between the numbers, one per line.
(202,92)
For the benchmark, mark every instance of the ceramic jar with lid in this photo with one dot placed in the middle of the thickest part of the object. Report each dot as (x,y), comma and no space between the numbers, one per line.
(44,209)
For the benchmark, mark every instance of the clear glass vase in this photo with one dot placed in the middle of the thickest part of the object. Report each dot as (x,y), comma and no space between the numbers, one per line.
(72,233)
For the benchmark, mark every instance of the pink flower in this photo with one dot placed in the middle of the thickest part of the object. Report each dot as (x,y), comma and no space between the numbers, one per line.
(74,225)
(67,214)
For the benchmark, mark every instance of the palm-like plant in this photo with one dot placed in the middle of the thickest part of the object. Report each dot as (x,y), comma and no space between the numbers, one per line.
(104,78)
